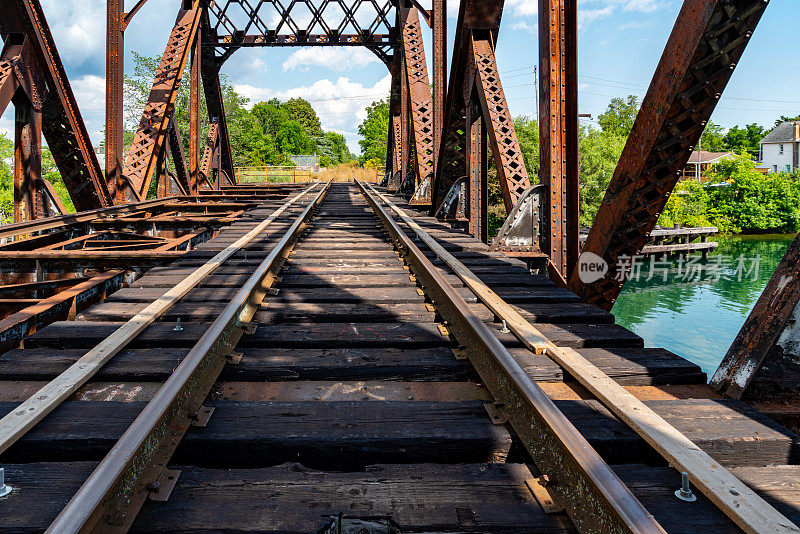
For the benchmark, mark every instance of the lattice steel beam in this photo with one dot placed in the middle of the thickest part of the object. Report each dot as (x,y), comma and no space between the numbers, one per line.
(502,136)
(62,125)
(210,159)
(150,137)
(706,43)
(421,102)
(301,23)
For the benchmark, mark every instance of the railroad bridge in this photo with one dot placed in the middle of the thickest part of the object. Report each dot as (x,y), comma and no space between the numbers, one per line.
(190,354)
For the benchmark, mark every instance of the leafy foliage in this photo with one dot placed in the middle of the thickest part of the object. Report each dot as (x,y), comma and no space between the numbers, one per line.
(374,131)
(737,198)
(620,115)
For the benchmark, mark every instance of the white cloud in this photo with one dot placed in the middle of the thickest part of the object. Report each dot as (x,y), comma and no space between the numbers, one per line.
(525,8)
(587,16)
(79,28)
(338,59)
(341,104)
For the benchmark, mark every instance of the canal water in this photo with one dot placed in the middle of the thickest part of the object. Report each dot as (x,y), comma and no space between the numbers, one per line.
(695,307)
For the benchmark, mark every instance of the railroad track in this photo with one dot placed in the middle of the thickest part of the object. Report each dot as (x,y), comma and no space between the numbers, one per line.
(336,362)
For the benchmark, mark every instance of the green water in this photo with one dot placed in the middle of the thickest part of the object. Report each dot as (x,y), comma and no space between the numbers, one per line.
(698,314)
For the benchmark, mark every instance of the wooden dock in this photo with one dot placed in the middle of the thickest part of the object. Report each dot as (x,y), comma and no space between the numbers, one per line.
(675,241)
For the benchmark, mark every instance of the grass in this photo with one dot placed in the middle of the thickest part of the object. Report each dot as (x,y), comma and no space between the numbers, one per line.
(347,172)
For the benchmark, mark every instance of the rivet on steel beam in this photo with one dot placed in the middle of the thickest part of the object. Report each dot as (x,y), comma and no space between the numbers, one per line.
(178,326)
(685,493)
(5,489)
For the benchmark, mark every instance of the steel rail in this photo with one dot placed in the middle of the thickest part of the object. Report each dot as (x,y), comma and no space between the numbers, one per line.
(735,499)
(111,497)
(595,498)
(18,422)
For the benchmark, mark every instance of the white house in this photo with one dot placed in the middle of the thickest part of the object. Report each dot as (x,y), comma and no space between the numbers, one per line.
(780,149)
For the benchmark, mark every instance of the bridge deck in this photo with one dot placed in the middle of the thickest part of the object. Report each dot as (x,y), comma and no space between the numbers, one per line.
(350,399)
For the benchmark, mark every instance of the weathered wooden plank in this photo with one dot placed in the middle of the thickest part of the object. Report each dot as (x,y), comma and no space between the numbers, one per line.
(78,334)
(330,435)
(654,486)
(431,498)
(257,364)
(729,431)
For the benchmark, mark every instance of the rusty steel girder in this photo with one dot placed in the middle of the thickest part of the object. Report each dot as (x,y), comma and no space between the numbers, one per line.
(150,137)
(558,127)
(418,89)
(210,161)
(474,80)
(706,43)
(50,92)
(178,159)
(502,136)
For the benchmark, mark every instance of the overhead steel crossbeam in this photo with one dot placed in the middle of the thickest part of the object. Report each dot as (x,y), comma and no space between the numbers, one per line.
(706,43)
(475,81)
(252,23)
(152,132)
(30,65)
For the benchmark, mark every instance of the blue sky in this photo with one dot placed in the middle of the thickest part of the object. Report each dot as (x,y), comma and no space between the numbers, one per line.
(620,43)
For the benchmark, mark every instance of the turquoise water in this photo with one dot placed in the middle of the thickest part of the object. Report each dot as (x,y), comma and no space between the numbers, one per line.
(698,314)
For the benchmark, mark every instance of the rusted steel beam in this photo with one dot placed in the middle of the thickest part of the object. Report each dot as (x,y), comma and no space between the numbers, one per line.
(418,88)
(28,204)
(59,221)
(210,159)
(706,43)
(439,20)
(150,137)
(762,362)
(558,131)
(474,64)
(405,127)
(195,135)
(61,306)
(508,159)
(477,168)
(115,81)
(393,147)
(62,125)
(209,69)
(178,159)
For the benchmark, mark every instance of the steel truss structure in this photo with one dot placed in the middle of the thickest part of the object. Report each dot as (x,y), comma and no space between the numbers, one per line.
(439,139)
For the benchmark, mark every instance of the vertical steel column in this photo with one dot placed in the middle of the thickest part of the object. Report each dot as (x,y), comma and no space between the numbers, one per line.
(405,131)
(558,127)
(194,118)
(439,74)
(115,60)
(27,160)
(476,170)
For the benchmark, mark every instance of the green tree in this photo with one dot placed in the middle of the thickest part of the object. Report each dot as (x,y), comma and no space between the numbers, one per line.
(599,152)
(6,180)
(747,138)
(301,111)
(293,140)
(333,149)
(527,130)
(783,118)
(270,116)
(374,132)
(620,116)
(712,139)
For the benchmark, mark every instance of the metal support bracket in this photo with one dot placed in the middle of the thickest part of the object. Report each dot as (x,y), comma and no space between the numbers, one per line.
(161,489)
(522,230)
